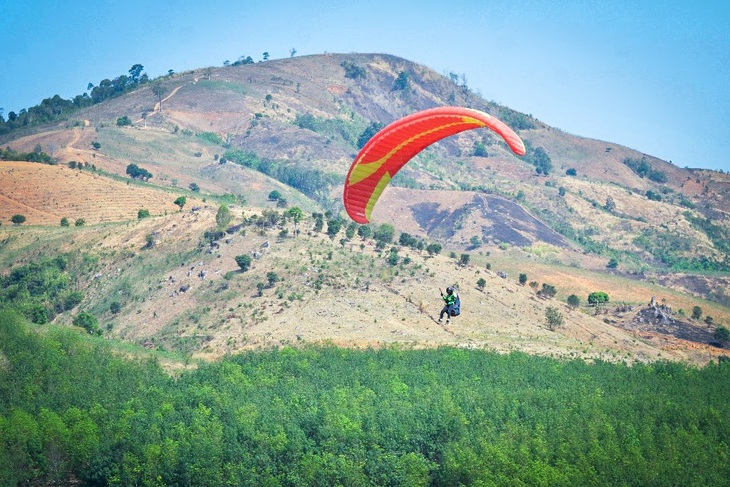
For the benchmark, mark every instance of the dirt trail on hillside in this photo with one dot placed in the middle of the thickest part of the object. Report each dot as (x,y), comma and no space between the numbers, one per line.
(156,108)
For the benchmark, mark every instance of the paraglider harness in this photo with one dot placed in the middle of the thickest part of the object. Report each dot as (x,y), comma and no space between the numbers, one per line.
(455,307)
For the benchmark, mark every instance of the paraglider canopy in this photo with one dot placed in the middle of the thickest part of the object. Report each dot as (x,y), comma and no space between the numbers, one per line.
(391,148)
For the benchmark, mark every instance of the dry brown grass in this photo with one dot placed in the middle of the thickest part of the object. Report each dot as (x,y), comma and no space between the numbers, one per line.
(44,194)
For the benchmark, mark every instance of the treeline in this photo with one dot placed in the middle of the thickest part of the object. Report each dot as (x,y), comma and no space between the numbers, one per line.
(73,411)
(314,183)
(57,108)
(38,155)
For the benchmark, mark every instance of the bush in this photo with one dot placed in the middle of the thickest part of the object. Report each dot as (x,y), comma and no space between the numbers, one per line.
(123,121)
(64,222)
(573,301)
(481,284)
(143,214)
(523,279)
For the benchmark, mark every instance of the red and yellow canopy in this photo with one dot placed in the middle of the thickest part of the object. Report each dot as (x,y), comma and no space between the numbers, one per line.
(391,148)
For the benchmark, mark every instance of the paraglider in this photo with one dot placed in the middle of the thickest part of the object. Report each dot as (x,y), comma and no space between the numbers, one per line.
(393,146)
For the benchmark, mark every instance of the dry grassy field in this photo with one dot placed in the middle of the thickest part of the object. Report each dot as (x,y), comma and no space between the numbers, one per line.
(44,194)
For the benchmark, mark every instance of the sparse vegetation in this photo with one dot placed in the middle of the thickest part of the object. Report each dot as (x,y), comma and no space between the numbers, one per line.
(643,169)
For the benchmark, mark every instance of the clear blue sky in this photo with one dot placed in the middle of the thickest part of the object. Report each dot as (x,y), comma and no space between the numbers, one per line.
(654,76)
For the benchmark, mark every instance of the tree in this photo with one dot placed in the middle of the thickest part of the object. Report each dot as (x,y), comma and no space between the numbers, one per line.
(274,195)
(64,222)
(368,133)
(180,201)
(597,298)
(481,284)
(612,263)
(433,249)
(573,301)
(364,231)
(384,233)
(88,322)
(610,205)
(548,291)
(272,278)
(296,215)
(143,214)
(523,279)
(480,150)
(401,82)
(696,313)
(158,90)
(136,172)
(571,172)
(333,227)
(223,216)
(123,121)
(464,260)
(722,334)
(244,262)
(135,71)
(194,187)
(554,318)
(80,222)
(17,219)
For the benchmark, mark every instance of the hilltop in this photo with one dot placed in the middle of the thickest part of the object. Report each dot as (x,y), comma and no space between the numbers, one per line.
(236,134)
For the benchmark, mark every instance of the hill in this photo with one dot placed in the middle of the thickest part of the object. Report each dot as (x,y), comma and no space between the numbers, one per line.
(239,133)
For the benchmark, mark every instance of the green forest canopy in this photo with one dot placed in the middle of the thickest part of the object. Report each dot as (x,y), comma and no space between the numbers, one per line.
(71,407)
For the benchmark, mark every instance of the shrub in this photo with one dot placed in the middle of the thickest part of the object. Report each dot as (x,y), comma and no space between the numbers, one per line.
(573,301)
(481,284)
(523,279)
(143,214)
(64,222)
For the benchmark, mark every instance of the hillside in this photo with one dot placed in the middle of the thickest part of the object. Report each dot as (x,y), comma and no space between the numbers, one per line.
(292,125)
